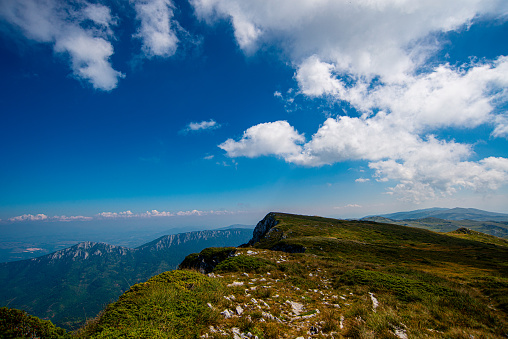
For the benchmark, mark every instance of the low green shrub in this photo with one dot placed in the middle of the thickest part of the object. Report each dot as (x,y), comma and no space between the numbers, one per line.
(170,305)
(405,289)
(19,324)
(244,263)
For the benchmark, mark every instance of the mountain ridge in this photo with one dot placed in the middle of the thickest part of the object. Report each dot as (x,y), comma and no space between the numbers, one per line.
(353,279)
(74,283)
(457,213)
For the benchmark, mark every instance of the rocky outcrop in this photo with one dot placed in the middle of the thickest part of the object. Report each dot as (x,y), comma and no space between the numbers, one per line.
(464,230)
(263,227)
(207,259)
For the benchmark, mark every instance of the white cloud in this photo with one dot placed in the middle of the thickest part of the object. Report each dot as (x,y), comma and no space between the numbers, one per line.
(155,30)
(372,55)
(116,215)
(386,37)
(501,130)
(44,217)
(445,97)
(60,24)
(362,180)
(348,206)
(189,213)
(29,217)
(273,138)
(99,14)
(424,168)
(203,125)
(71,218)
(155,213)
(147,214)
(315,78)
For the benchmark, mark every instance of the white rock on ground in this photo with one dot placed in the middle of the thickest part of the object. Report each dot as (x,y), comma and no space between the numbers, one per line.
(297,308)
(375,303)
(227,313)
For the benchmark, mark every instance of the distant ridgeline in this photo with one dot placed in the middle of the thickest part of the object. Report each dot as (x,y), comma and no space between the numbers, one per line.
(447,220)
(71,285)
(302,276)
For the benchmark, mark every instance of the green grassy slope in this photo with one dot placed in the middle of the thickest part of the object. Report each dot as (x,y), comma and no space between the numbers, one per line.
(424,284)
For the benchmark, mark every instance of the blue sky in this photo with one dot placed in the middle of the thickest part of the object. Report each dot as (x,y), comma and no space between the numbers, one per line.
(189,111)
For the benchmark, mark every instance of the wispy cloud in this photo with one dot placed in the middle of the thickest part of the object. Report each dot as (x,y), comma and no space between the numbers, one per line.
(347,206)
(44,217)
(79,30)
(116,215)
(83,32)
(158,39)
(29,217)
(201,126)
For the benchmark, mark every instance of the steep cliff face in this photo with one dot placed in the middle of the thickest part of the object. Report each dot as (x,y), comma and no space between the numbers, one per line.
(206,238)
(263,227)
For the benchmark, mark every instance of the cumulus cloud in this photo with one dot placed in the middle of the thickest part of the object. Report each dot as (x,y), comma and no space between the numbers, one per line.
(424,168)
(372,55)
(386,37)
(201,126)
(273,138)
(362,180)
(155,29)
(465,96)
(78,30)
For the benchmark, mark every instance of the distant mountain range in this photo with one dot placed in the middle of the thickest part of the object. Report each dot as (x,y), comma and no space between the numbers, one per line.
(456,213)
(35,239)
(449,219)
(73,284)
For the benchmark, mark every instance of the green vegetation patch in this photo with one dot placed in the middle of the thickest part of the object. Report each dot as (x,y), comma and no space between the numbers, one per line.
(244,263)
(406,289)
(496,288)
(303,283)
(170,305)
(18,324)
(448,306)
